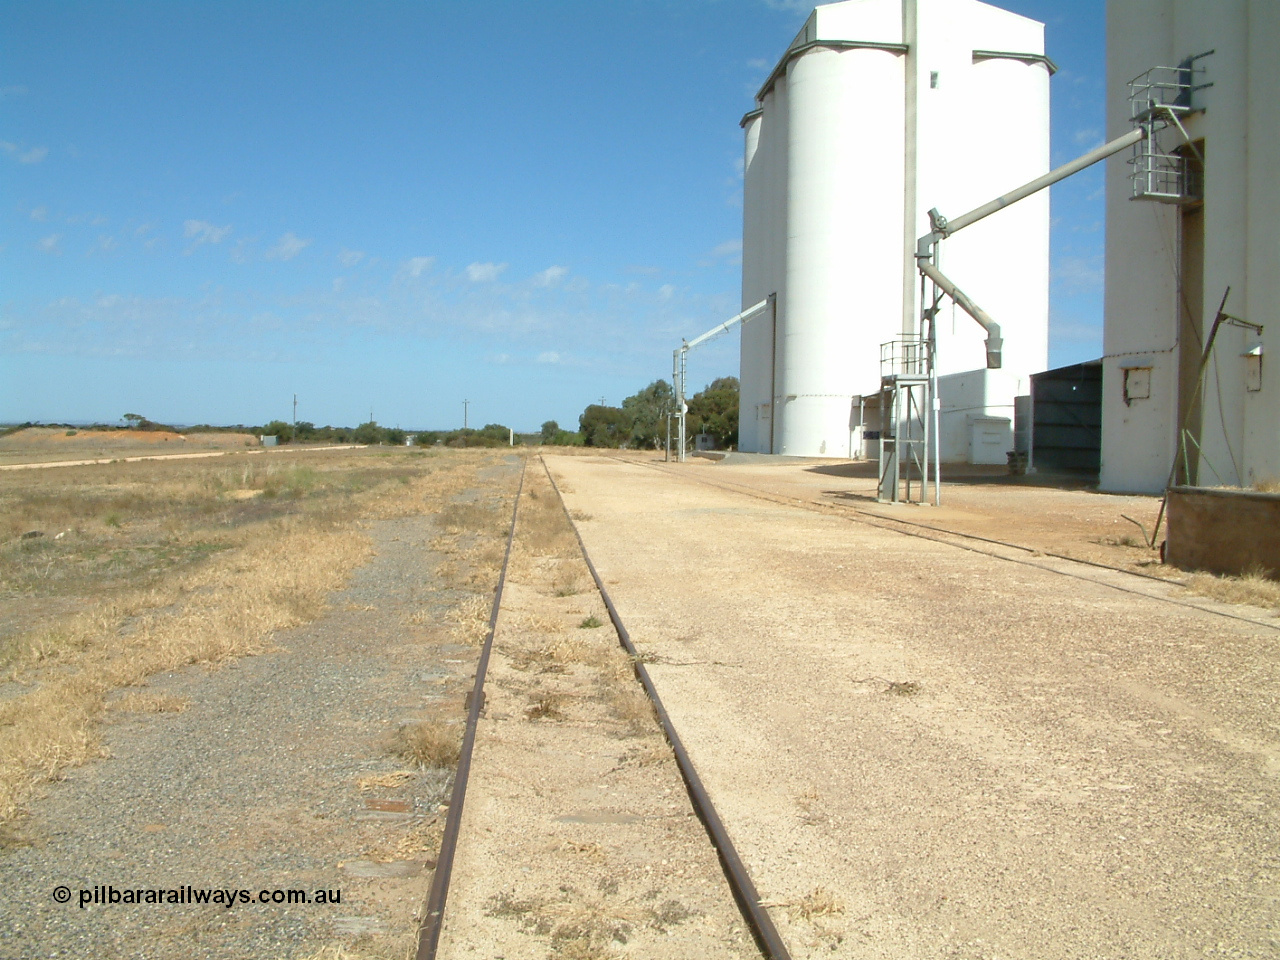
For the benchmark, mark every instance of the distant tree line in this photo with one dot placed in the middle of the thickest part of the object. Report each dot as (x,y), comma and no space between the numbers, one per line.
(641,422)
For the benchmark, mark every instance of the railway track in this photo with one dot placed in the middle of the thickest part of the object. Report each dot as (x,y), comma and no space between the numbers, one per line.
(741,885)
(1117,578)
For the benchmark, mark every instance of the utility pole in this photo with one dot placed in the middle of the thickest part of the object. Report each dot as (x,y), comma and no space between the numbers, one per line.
(295,413)
(602,401)
(465,403)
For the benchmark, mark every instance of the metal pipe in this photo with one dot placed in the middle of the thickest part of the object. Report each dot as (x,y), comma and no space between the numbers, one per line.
(681,353)
(1050,178)
(729,324)
(994,341)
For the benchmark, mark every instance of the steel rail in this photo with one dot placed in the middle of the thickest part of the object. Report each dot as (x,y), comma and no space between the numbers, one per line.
(855,515)
(433,913)
(744,890)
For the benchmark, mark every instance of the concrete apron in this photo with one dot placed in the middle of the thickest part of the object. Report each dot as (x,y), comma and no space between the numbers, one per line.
(1079,770)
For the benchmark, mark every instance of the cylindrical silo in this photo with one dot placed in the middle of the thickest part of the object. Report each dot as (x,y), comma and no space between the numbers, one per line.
(1003,260)
(755,353)
(777,130)
(843,255)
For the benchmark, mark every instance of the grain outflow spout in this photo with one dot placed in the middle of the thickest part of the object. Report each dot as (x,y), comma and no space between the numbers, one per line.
(927,246)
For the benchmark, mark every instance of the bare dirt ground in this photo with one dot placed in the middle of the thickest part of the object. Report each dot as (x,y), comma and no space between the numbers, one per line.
(578,839)
(922,751)
(1051,514)
(43,444)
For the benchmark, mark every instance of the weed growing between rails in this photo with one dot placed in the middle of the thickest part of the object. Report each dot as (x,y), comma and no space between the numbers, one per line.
(278,558)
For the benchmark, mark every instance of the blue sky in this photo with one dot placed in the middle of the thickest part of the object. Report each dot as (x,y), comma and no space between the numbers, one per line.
(206,208)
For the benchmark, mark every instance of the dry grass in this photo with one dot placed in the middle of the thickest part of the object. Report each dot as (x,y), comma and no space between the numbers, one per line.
(228,608)
(193,574)
(547,706)
(818,902)
(470,618)
(429,744)
(1253,587)
(384,781)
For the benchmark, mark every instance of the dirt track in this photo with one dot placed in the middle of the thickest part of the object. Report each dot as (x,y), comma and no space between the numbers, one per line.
(1066,770)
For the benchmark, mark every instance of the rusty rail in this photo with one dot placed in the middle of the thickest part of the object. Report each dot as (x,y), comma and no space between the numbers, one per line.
(433,913)
(744,890)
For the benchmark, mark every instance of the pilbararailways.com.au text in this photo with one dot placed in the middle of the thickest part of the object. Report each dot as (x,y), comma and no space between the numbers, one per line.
(112,896)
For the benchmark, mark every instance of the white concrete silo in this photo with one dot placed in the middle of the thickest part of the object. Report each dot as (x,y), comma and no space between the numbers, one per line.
(878,111)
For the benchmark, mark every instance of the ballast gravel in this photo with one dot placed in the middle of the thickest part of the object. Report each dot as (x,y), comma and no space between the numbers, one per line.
(257,786)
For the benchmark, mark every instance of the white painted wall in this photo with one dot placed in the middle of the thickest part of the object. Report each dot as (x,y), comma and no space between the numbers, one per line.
(859,144)
(1240,429)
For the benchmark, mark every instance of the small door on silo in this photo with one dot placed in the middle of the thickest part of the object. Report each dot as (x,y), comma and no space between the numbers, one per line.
(990,439)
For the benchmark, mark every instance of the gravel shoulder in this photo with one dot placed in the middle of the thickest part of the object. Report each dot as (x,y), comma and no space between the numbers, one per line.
(276,776)
(925,752)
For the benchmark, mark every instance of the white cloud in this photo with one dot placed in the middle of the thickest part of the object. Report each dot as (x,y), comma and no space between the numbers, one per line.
(666,292)
(1087,137)
(201,232)
(40,214)
(550,276)
(49,244)
(485,272)
(106,244)
(349,258)
(548,356)
(723,254)
(34,155)
(415,267)
(287,247)
(1078,274)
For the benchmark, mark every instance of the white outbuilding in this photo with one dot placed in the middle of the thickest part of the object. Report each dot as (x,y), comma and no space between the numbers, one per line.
(1189,216)
(878,111)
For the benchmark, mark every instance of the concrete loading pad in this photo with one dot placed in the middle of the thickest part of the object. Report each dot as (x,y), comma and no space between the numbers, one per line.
(922,751)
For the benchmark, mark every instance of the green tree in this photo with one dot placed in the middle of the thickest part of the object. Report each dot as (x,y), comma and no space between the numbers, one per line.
(280,429)
(368,433)
(603,426)
(715,411)
(648,411)
(549,430)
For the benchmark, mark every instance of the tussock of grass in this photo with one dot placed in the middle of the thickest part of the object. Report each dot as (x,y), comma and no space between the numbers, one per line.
(1253,587)
(429,744)
(384,781)
(547,706)
(590,623)
(470,618)
(818,902)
